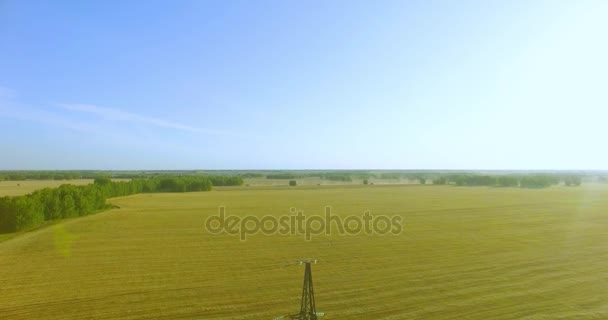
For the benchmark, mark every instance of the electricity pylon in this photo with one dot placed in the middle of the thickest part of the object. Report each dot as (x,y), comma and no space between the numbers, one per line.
(308,309)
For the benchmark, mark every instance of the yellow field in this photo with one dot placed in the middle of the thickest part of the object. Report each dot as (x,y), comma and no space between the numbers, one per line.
(465,253)
(18,188)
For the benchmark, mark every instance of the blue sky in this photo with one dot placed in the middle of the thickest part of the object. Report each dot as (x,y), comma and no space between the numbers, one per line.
(303,84)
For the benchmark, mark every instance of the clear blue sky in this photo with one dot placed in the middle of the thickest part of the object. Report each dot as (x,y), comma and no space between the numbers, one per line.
(303,84)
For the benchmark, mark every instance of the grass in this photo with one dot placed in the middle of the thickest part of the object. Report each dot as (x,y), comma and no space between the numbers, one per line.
(465,253)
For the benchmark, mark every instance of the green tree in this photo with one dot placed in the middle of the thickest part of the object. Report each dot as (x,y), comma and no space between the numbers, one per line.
(440,181)
(102,181)
(28,213)
(507,181)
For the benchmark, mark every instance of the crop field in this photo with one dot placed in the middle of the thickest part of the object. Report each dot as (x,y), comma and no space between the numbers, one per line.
(464,253)
(18,188)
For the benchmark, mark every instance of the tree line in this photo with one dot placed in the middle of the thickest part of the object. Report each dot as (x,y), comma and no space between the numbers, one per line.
(336,177)
(285,176)
(92,174)
(42,175)
(68,201)
(525,181)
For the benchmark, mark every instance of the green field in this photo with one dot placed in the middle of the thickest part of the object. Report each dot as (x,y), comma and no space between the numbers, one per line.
(465,253)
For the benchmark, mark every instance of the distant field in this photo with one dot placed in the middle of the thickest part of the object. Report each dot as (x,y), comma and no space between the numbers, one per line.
(315,181)
(465,253)
(17,188)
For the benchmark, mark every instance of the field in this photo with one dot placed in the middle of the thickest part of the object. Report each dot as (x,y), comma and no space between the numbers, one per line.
(316,181)
(18,188)
(465,253)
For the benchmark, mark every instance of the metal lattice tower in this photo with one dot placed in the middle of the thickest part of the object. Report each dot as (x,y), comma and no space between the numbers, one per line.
(308,309)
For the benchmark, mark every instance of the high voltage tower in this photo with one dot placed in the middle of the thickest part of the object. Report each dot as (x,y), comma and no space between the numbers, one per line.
(308,309)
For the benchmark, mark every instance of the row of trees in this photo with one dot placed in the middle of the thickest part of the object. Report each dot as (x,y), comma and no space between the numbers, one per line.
(337,177)
(219,181)
(573,180)
(285,176)
(25,212)
(340,175)
(67,201)
(90,174)
(538,181)
(42,175)
(526,181)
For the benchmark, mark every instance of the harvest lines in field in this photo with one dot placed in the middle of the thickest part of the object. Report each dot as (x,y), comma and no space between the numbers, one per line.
(475,253)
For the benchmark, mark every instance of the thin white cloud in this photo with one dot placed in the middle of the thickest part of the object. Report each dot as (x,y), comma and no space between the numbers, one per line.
(119,115)
(47,118)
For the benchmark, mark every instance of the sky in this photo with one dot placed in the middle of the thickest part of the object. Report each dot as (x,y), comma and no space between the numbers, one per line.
(124,85)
